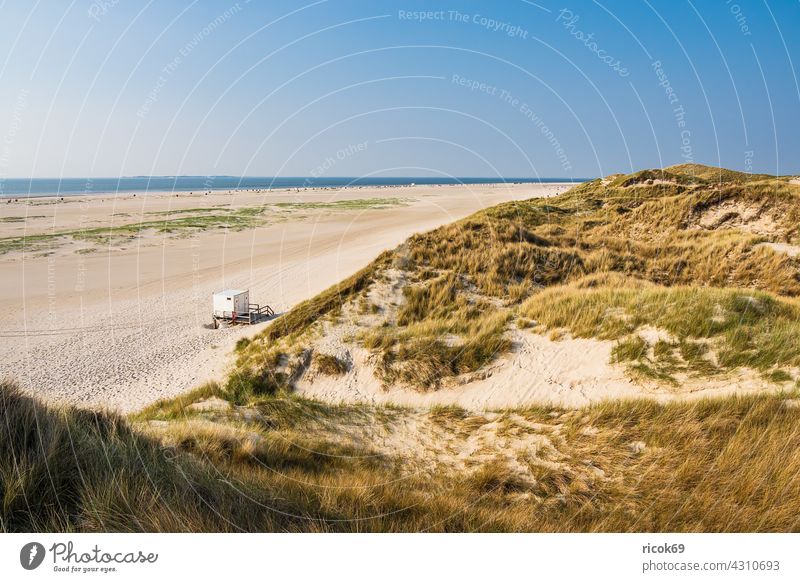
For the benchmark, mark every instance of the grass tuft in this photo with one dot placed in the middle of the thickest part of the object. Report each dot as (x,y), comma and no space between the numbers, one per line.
(329,365)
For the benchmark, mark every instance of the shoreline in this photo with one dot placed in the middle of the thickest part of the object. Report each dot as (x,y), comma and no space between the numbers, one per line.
(177,192)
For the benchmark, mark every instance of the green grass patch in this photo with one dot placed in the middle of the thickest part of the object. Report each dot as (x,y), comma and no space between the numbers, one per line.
(629,349)
(239,219)
(354,204)
(189,211)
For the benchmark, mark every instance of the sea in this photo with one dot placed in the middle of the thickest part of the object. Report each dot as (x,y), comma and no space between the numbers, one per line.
(33,187)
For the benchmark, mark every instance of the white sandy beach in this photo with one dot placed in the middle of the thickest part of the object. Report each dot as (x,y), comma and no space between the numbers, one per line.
(123,326)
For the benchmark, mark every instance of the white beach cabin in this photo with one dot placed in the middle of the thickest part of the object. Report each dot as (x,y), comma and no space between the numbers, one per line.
(233,306)
(230,302)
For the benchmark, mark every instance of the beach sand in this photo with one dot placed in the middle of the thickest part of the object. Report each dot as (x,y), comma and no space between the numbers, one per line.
(125,324)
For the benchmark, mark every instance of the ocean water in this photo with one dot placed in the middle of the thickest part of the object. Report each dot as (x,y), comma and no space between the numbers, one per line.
(32,187)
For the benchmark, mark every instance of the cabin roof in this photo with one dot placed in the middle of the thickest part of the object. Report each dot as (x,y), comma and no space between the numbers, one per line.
(230,292)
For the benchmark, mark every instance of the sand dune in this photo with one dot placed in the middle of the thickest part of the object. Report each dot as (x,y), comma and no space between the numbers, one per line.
(568,373)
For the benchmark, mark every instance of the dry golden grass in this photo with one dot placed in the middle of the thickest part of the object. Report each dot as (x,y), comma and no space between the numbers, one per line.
(723,465)
(329,365)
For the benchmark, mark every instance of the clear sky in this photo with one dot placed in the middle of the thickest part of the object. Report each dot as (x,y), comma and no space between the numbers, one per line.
(509,88)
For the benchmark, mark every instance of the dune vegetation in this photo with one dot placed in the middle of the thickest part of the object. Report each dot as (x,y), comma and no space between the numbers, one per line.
(683,269)
(686,250)
(288,464)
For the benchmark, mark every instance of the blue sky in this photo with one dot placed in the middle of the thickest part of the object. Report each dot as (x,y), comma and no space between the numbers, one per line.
(354,88)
